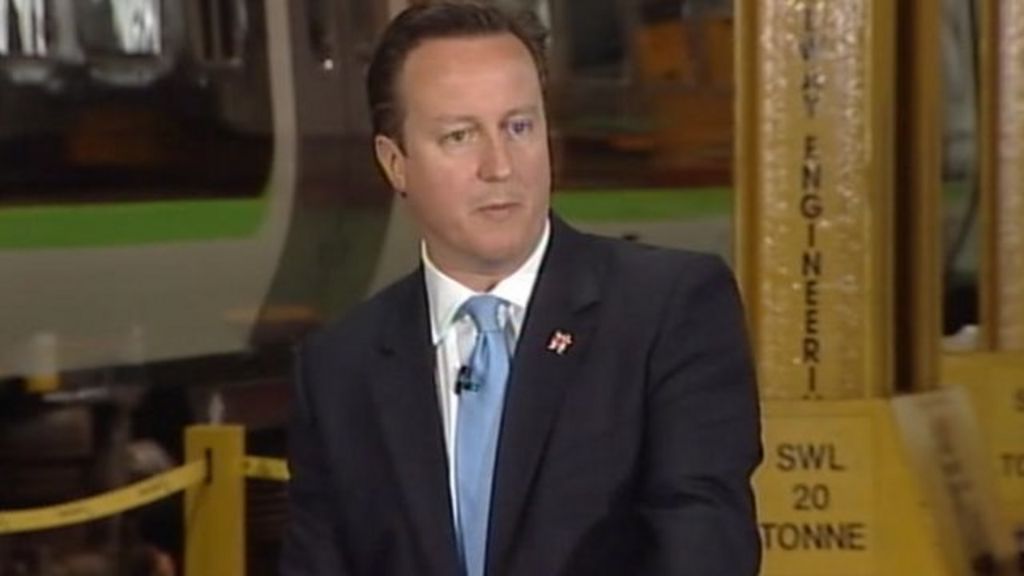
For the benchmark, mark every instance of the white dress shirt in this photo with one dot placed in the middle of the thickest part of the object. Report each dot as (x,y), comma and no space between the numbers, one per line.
(453,338)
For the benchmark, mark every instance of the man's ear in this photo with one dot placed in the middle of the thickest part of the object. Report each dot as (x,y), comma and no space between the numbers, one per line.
(391,160)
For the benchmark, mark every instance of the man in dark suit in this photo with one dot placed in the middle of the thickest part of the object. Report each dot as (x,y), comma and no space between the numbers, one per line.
(531,401)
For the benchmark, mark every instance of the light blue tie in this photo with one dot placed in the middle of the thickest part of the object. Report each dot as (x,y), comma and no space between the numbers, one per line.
(479,422)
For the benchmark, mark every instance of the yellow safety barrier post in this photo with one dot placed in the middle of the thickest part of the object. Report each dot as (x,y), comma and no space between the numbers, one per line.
(215,509)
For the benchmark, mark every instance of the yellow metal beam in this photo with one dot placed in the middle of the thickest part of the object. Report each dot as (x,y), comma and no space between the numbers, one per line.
(814,175)
(215,510)
(1003,171)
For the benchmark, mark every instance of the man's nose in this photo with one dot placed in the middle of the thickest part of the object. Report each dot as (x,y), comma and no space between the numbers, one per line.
(495,164)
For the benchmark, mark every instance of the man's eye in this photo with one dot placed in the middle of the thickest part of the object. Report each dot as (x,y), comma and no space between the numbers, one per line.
(520,127)
(457,136)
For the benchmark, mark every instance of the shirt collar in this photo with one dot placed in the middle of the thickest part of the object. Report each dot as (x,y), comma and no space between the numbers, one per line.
(446,295)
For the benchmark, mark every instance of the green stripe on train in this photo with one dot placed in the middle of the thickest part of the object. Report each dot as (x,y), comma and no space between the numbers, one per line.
(124,224)
(596,205)
(643,204)
(98,225)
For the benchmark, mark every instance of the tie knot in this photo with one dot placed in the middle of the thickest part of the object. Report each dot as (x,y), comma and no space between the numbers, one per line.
(483,310)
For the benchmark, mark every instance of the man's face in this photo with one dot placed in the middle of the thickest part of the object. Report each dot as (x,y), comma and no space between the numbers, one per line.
(475,168)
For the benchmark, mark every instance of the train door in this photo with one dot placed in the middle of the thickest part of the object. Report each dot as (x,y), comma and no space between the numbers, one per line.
(347,238)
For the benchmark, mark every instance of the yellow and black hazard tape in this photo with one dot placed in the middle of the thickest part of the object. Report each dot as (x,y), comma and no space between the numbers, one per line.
(104,505)
(266,468)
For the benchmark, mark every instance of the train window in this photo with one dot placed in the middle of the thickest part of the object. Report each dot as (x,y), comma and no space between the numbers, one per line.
(641,107)
(24,28)
(134,118)
(221,27)
(122,27)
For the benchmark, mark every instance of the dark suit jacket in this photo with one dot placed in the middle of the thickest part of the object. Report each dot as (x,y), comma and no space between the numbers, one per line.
(629,454)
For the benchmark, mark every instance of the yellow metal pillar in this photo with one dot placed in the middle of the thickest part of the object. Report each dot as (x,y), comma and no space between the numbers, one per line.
(814,174)
(817,215)
(215,510)
(995,379)
(1002,135)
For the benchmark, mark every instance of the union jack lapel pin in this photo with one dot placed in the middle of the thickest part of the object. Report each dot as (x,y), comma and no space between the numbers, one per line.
(560,342)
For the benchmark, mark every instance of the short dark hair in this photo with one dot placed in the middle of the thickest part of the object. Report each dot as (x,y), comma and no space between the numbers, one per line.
(441,19)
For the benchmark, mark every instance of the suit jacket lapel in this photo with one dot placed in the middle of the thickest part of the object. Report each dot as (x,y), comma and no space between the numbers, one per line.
(564,300)
(406,395)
